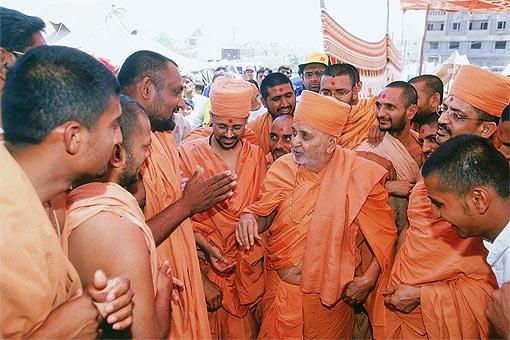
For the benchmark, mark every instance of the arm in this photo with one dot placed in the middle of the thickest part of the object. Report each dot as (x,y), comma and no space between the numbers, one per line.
(358,289)
(217,260)
(198,196)
(120,249)
(498,311)
(250,226)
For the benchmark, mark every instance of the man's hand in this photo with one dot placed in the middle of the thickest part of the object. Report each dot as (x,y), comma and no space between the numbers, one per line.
(392,173)
(402,298)
(167,283)
(375,135)
(201,195)
(399,188)
(247,231)
(498,311)
(357,290)
(213,294)
(114,299)
(77,318)
(219,262)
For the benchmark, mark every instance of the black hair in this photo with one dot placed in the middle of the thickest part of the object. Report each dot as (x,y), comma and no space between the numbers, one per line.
(336,70)
(466,161)
(142,64)
(51,85)
(505,115)
(409,94)
(17,30)
(272,80)
(433,83)
(129,120)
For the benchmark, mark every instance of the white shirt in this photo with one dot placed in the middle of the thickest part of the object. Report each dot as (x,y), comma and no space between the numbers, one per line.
(499,255)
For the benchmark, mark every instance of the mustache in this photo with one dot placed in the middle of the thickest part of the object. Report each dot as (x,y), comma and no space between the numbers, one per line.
(445,127)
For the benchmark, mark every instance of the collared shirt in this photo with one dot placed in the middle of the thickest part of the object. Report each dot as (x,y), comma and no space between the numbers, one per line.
(499,255)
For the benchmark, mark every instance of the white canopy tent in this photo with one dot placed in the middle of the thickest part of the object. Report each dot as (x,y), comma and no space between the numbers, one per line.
(449,68)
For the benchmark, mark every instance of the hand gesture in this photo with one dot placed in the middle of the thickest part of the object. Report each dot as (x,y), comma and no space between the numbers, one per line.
(219,262)
(114,299)
(247,231)
(201,195)
(375,136)
(402,298)
(399,188)
(213,294)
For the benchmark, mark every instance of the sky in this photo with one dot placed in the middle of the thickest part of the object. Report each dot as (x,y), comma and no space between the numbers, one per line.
(288,22)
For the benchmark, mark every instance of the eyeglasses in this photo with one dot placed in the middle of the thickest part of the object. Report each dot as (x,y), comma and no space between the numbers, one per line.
(445,110)
(17,54)
(337,93)
(310,74)
(223,128)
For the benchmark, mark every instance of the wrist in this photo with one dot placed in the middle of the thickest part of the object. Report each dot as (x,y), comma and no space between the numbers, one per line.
(185,207)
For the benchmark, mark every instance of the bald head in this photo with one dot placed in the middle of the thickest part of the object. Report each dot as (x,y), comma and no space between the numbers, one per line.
(430,95)
(280,136)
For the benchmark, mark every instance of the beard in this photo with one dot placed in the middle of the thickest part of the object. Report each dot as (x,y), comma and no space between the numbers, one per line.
(227,143)
(396,126)
(162,124)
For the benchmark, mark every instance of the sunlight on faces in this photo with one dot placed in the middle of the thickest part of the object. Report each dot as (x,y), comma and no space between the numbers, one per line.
(100,142)
(310,148)
(137,152)
(391,112)
(280,136)
(503,135)
(311,76)
(458,118)
(227,131)
(450,207)
(167,99)
(339,87)
(427,139)
(281,100)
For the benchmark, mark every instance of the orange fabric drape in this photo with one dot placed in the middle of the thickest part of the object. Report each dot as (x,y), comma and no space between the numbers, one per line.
(88,200)
(315,238)
(242,289)
(361,118)
(261,126)
(162,181)
(455,280)
(35,275)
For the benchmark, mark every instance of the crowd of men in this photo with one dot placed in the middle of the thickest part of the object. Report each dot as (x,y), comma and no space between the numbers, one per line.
(324,215)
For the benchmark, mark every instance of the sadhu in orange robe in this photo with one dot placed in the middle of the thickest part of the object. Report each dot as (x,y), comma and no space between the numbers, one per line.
(35,275)
(162,182)
(243,288)
(327,221)
(455,280)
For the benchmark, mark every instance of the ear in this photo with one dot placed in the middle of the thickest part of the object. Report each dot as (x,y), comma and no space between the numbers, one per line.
(146,88)
(487,129)
(74,136)
(263,102)
(118,157)
(6,60)
(479,198)
(411,111)
(332,142)
(355,91)
(435,100)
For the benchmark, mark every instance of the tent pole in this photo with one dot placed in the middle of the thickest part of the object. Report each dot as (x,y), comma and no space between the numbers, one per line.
(423,38)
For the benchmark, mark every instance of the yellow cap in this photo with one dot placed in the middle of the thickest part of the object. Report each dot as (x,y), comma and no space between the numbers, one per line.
(315,57)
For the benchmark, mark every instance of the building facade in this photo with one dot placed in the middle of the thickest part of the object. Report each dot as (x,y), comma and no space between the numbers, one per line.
(483,37)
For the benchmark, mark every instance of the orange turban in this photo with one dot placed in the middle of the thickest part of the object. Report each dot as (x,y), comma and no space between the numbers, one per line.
(325,114)
(482,89)
(231,98)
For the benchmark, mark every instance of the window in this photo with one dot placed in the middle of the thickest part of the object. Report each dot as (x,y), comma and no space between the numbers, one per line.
(456,26)
(470,26)
(442,27)
(500,45)
(454,45)
(501,25)
(484,25)
(433,45)
(476,25)
(430,27)
(476,45)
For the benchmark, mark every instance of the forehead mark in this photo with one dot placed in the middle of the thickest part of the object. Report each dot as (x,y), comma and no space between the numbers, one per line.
(230,121)
(383,96)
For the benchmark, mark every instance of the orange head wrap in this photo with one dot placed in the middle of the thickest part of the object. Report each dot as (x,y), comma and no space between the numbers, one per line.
(484,90)
(324,114)
(231,98)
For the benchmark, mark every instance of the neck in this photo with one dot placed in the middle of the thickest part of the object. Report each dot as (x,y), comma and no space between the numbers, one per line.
(46,174)
(404,135)
(498,218)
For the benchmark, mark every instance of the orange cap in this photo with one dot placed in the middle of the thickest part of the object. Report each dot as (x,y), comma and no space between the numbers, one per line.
(482,89)
(231,98)
(325,114)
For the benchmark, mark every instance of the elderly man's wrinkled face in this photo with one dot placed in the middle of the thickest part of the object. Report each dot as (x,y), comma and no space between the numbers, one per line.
(309,147)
